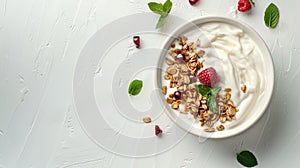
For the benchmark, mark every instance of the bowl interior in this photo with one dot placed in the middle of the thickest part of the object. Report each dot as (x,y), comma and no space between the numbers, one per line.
(187,122)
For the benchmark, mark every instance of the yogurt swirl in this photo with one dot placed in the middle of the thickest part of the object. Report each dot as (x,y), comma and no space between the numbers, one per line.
(237,60)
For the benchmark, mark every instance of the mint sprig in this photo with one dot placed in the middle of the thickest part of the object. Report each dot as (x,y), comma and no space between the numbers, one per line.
(210,93)
(162,9)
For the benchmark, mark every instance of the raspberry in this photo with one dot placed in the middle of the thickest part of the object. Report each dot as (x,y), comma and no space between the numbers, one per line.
(208,77)
(244,5)
(158,131)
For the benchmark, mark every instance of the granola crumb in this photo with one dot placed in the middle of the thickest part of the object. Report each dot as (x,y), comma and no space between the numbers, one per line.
(210,129)
(244,88)
(164,90)
(147,120)
(220,127)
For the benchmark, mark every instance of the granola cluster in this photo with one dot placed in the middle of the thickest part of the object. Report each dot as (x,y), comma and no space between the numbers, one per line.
(184,63)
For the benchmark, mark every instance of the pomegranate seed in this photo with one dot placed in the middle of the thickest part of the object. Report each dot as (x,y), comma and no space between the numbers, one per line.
(192,78)
(158,131)
(180,57)
(136,41)
(193,2)
(177,95)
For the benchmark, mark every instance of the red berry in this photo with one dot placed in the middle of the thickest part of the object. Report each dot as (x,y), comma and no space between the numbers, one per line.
(193,2)
(208,77)
(177,95)
(244,5)
(158,131)
(136,41)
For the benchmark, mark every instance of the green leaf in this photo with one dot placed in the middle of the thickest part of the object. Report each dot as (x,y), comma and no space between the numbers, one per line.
(156,7)
(135,87)
(211,101)
(203,90)
(215,91)
(246,158)
(252,2)
(271,16)
(162,10)
(167,6)
(161,21)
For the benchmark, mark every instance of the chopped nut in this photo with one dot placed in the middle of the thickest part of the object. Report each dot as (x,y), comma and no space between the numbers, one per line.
(220,127)
(186,80)
(227,96)
(167,77)
(164,90)
(175,105)
(147,119)
(244,88)
(169,61)
(223,119)
(179,101)
(181,89)
(227,89)
(173,45)
(209,129)
(172,70)
(200,53)
(170,100)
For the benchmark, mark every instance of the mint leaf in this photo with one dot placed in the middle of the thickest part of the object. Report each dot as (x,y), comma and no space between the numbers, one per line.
(252,3)
(210,93)
(246,158)
(161,21)
(167,6)
(135,87)
(215,91)
(211,103)
(271,16)
(203,90)
(156,7)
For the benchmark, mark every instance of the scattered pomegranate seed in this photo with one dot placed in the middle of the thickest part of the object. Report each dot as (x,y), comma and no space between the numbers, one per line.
(158,131)
(177,95)
(180,57)
(136,41)
(193,2)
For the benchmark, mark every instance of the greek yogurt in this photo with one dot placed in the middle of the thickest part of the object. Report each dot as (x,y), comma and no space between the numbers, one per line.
(237,60)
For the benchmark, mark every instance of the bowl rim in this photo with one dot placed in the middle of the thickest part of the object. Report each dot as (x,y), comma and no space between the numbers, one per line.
(268,66)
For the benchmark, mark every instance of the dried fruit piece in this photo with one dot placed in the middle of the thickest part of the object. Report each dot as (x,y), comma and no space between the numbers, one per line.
(177,95)
(147,119)
(180,58)
(158,131)
(136,41)
(208,77)
(193,2)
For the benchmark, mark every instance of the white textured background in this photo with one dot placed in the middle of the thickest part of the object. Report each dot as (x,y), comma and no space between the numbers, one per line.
(40,41)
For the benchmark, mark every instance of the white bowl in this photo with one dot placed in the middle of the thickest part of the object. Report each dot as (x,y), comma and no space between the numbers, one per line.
(261,104)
